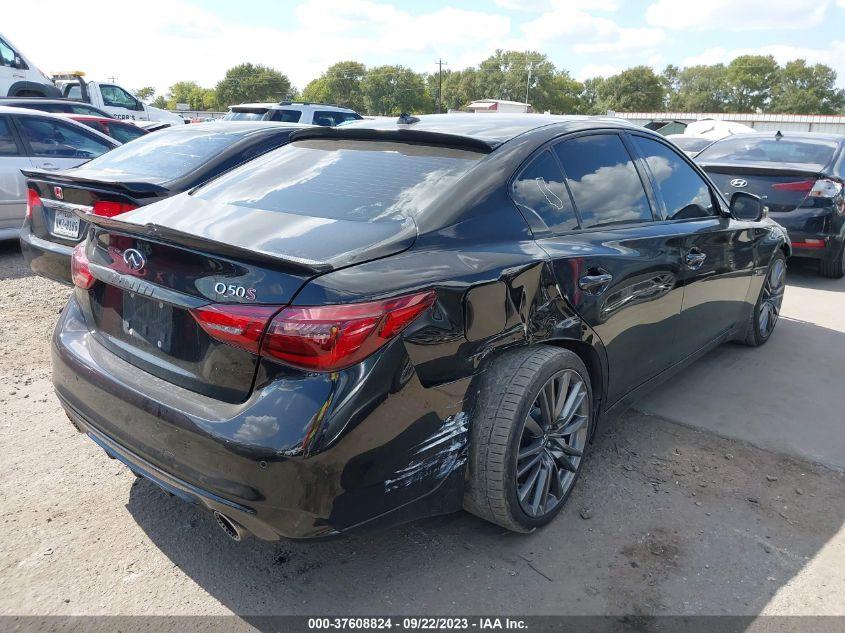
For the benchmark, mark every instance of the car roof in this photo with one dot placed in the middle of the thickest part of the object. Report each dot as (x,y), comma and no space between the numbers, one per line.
(310,104)
(483,131)
(806,136)
(52,115)
(4,100)
(253,105)
(239,127)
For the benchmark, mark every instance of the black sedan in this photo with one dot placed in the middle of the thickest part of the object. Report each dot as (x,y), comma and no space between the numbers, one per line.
(800,178)
(151,168)
(396,319)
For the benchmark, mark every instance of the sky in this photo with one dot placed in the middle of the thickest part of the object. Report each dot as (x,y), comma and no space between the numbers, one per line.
(158,42)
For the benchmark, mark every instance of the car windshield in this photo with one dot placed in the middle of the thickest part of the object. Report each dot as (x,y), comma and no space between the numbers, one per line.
(690,143)
(165,155)
(343,179)
(814,153)
(244,115)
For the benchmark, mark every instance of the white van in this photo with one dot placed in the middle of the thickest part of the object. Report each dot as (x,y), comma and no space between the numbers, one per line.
(19,77)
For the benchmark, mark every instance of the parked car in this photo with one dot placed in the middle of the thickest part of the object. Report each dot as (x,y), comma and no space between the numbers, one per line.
(122,131)
(800,177)
(31,139)
(690,145)
(114,99)
(149,169)
(55,106)
(390,320)
(19,77)
(292,112)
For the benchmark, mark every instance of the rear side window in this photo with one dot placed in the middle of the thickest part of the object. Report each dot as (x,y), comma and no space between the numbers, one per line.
(539,189)
(8,146)
(50,138)
(343,179)
(604,183)
(245,115)
(684,192)
(285,116)
(331,118)
(166,155)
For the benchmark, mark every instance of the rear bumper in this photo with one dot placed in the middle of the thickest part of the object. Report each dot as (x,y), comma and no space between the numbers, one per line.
(807,245)
(45,258)
(306,456)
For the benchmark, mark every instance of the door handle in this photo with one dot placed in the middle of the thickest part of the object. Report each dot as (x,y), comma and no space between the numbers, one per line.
(50,166)
(595,281)
(695,259)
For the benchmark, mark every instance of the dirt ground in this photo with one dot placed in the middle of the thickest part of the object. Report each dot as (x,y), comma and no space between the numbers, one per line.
(666,520)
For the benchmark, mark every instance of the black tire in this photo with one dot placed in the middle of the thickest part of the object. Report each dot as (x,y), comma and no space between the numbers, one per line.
(755,334)
(835,268)
(507,394)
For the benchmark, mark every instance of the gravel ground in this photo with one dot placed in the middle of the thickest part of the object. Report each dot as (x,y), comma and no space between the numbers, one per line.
(666,520)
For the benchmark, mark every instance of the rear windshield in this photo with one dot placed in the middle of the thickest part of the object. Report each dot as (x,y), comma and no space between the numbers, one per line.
(343,179)
(244,115)
(167,155)
(125,133)
(814,153)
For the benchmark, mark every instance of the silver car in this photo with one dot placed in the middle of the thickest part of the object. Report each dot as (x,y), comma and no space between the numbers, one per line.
(32,139)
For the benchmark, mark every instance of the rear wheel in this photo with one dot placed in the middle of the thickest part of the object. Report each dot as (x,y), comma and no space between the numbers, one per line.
(529,436)
(765,315)
(835,268)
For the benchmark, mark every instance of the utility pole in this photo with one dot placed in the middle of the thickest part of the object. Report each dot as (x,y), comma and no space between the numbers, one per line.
(528,81)
(440,63)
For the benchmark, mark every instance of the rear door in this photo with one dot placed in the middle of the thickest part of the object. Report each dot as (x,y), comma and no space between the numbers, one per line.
(12,182)
(718,252)
(614,263)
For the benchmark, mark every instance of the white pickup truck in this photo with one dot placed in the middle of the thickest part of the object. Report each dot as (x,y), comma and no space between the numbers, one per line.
(114,99)
(19,77)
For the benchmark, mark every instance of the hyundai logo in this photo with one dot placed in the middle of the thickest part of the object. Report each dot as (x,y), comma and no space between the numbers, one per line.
(134,259)
(739,183)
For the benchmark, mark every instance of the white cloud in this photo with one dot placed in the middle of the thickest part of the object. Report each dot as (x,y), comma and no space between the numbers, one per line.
(177,40)
(587,33)
(597,70)
(537,6)
(737,16)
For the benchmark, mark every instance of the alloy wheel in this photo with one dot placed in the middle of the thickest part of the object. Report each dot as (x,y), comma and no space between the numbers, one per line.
(552,444)
(772,298)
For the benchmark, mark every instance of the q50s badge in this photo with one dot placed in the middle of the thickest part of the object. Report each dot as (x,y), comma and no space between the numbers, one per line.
(231,290)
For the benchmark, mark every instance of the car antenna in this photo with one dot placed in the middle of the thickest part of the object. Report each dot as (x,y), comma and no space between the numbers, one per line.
(778,135)
(407,119)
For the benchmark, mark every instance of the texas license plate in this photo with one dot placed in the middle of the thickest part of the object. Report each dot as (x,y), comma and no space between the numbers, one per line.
(66,224)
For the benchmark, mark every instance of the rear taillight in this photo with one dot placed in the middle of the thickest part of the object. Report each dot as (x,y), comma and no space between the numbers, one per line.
(822,188)
(238,325)
(79,270)
(316,338)
(109,209)
(32,200)
(809,243)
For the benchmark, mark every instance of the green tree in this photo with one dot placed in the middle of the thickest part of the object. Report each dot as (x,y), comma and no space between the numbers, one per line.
(589,97)
(181,92)
(637,89)
(341,84)
(701,89)
(803,89)
(146,93)
(460,87)
(513,75)
(391,90)
(750,80)
(159,102)
(252,83)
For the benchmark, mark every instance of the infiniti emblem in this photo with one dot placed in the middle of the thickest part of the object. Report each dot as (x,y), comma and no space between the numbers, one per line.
(134,259)
(739,183)
(57,191)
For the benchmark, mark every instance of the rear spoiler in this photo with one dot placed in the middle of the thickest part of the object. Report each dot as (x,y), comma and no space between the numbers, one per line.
(422,137)
(132,188)
(761,169)
(211,247)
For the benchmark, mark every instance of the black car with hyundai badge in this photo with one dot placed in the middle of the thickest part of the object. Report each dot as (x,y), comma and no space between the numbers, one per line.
(400,318)
(800,177)
(150,168)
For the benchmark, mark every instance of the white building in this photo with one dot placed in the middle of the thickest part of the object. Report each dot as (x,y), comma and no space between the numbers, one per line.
(498,105)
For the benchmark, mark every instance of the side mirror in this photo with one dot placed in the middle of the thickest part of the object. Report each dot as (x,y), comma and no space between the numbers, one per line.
(747,206)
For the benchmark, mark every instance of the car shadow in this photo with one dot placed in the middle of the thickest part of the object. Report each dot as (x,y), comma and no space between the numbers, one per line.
(12,265)
(661,523)
(804,273)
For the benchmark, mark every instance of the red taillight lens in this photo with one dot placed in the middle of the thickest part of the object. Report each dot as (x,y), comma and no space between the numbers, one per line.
(32,200)
(801,185)
(822,188)
(109,209)
(329,338)
(238,325)
(79,271)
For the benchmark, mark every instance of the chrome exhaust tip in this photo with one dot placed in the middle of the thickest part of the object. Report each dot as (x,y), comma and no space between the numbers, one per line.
(233,529)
